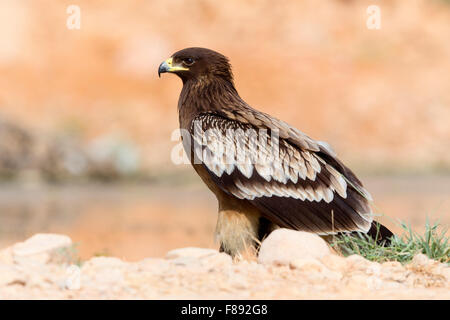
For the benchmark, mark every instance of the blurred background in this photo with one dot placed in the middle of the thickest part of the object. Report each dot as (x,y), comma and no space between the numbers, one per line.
(85,123)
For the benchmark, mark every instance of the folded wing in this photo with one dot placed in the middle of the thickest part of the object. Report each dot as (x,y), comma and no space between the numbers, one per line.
(294,181)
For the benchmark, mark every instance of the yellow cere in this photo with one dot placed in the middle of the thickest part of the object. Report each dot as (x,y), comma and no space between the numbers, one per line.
(174,68)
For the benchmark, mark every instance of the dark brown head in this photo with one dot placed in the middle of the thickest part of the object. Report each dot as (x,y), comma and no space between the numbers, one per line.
(197,64)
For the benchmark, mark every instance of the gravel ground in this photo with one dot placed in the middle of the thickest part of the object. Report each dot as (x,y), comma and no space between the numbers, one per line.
(42,268)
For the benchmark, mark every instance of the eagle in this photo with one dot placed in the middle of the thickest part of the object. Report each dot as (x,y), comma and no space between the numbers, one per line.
(264,173)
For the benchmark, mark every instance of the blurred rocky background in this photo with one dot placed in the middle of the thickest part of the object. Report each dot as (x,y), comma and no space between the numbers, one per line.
(86,105)
(26,155)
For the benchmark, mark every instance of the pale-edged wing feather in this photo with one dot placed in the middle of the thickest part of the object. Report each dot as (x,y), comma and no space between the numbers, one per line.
(296,182)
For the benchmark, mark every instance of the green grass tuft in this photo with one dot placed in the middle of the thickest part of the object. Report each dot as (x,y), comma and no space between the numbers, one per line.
(434,243)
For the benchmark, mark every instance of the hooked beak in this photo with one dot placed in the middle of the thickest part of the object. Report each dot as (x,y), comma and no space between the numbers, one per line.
(168,66)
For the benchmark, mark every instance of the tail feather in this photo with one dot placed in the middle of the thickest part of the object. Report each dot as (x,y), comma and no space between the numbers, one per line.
(380,233)
(377,232)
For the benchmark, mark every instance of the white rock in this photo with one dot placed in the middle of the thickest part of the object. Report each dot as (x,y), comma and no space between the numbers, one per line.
(420,261)
(283,246)
(308,265)
(335,262)
(374,269)
(105,262)
(357,263)
(39,248)
(218,260)
(196,257)
(151,261)
(154,265)
(103,273)
(445,271)
(10,275)
(315,269)
(392,265)
(6,256)
(239,282)
(190,252)
(185,261)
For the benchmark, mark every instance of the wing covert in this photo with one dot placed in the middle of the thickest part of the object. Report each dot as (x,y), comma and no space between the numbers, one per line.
(296,185)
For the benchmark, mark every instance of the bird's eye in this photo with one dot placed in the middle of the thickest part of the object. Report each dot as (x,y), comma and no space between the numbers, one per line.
(188,61)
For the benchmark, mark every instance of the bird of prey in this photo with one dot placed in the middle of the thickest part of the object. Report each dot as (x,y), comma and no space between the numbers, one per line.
(265,173)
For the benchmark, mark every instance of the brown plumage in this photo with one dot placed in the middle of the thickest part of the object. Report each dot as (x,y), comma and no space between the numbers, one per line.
(301,186)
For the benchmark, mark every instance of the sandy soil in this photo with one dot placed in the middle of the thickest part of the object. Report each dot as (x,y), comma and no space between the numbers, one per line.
(41,268)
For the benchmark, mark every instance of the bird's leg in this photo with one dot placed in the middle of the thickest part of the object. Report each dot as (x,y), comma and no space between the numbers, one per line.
(237,230)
